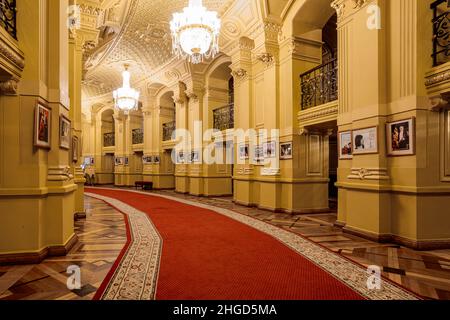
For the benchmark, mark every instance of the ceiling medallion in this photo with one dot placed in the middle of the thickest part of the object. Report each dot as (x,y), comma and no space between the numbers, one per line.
(195,33)
(152,33)
(126,98)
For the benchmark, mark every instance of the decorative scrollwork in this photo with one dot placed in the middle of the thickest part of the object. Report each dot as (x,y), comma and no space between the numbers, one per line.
(8,16)
(441,35)
(320,85)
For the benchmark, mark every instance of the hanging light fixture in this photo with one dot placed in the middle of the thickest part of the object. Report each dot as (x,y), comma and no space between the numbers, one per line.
(126,98)
(195,32)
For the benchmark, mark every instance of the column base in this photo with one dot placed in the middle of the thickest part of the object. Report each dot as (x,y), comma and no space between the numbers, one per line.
(414,244)
(38,257)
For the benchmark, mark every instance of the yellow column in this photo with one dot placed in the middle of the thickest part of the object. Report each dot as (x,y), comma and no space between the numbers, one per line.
(245,192)
(182,117)
(37,189)
(75,158)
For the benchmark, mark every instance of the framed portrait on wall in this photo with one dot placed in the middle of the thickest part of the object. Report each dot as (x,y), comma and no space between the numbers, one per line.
(259,155)
(345,145)
(147,159)
(195,157)
(269,149)
(119,161)
(75,149)
(286,151)
(400,137)
(156,159)
(244,152)
(365,141)
(64,132)
(180,157)
(42,126)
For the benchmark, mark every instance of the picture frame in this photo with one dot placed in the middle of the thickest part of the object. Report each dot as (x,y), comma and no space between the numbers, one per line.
(119,161)
(259,155)
(75,149)
(244,151)
(345,145)
(156,159)
(180,157)
(269,150)
(195,157)
(126,161)
(147,159)
(286,150)
(401,137)
(365,141)
(42,126)
(64,132)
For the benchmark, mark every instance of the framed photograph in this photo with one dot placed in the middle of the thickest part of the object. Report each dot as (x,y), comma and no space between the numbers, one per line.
(119,161)
(64,132)
(244,151)
(147,159)
(42,127)
(365,141)
(269,149)
(75,149)
(345,145)
(180,157)
(126,161)
(286,151)
(259,155)
(400,137)
(195,157)
(156,159)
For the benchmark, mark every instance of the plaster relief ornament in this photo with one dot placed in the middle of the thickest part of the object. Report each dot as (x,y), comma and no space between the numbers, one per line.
(195,33)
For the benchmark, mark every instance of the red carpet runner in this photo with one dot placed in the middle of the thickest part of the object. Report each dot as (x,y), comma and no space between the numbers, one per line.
(209,256)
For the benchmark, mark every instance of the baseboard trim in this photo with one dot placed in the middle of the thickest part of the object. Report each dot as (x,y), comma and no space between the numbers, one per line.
(339,224)
(79,216)
(38,257)
(415,244)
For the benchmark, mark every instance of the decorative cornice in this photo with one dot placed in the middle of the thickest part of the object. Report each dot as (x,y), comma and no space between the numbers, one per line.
(437,78)
(343,10)
(8,87)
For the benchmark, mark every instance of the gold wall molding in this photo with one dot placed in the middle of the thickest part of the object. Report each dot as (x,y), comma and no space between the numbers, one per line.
(59,174)
(369,174)
(12,61)
(317,115)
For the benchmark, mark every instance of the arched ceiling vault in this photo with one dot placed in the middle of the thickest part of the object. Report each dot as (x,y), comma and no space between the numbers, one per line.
(137,32)
(144,42)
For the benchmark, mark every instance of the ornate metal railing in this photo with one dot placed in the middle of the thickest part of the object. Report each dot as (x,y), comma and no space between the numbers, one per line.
(138,136)
(224,118)
(441,25)
(109,139)
(320,85)
(8,16)
(168,129)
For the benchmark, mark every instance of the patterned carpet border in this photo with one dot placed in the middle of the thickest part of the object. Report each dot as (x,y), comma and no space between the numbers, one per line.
(136,275)
(353,275)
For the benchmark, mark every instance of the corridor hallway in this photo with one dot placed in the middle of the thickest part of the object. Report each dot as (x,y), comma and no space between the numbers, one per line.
(186,273)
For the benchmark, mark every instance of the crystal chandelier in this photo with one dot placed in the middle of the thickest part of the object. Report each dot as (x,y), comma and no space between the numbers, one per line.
(126,98)
(195,33)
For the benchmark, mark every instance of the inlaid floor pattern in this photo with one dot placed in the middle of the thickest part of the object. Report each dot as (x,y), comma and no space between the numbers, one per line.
(102,236)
